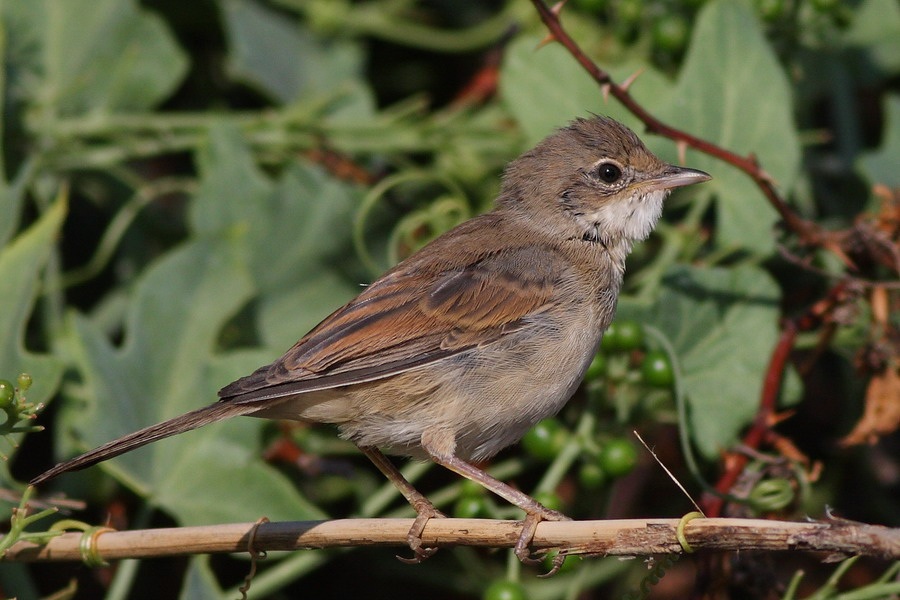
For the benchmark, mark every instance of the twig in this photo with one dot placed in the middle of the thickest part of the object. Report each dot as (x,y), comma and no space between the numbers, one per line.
(627,537)
(792,258)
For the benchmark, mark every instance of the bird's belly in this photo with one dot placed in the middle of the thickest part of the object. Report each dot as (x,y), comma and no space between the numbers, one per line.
(480,401)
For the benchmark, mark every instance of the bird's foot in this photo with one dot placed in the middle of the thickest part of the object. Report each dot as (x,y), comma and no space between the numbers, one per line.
(425,512)
(529,527)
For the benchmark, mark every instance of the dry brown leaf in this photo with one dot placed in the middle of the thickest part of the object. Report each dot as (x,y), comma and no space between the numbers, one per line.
(882,413)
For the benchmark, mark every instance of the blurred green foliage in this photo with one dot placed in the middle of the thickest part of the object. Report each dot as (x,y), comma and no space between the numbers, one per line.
(188,188)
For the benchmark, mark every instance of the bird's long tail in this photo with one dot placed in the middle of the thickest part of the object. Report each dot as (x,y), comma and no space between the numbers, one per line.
(186,422)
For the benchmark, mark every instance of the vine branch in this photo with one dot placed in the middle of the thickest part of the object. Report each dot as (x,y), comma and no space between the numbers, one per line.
(809,232)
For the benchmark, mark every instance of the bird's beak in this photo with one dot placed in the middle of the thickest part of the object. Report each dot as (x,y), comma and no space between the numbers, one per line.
(674,177)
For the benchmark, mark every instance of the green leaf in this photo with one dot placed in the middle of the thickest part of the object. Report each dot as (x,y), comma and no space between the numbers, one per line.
(20,266)
(287,314)
(281,58)
(99,55)
(883,165)
(306,224)
(200,582)
(732,91)
(12,195)
(298,262)
(717,97)
(296,233)
(232,189)
(254,236)
(544,88)
(166,367)
(876,30)
(723,325)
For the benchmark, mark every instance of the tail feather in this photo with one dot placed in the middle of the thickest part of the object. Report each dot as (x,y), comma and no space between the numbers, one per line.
(186,422)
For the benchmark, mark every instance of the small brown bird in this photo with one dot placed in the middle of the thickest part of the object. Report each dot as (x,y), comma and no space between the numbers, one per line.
(457,351)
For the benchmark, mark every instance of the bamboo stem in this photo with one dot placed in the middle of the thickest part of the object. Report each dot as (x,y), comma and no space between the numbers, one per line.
(630,537)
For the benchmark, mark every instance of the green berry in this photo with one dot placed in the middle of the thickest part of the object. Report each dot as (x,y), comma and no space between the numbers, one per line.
(570,562)
(549,500)
(629,12)
(504,590)
(546,439)
(610,341)
(770,10)
(618,457)
(7,393)
(657,370)
(597,368)
(591,6)
(622,336)
(591,475)
(471,489)
(24,381)
(825,6)
(629,335)
(470,507)
(670,34)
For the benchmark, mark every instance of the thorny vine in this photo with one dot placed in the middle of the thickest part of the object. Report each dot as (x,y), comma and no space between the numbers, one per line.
(871,242)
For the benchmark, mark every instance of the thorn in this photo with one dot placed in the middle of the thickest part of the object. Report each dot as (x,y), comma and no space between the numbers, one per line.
(631,79)
(753,159)
(548,39)
(682,147)
(839,252)
(605,90)
(780,417)
(556,9)
(765,176)
(883,192)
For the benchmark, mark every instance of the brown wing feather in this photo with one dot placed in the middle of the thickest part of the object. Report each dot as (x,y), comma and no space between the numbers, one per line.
(406,319)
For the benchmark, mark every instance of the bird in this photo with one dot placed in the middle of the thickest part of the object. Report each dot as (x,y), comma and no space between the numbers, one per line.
(457,351)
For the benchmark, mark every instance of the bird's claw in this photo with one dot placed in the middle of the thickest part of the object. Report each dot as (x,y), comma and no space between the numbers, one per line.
(529,527)
(414,537)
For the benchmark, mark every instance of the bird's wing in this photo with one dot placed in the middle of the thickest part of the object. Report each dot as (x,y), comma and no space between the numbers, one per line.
(406,319)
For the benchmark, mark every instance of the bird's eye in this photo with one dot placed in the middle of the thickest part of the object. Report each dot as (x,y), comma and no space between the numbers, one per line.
(609,172)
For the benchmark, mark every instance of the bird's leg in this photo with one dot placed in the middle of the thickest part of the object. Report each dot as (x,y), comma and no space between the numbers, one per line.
(535,512)
(425,510)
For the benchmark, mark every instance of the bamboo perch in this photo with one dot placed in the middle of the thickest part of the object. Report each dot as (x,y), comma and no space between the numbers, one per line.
(631,537)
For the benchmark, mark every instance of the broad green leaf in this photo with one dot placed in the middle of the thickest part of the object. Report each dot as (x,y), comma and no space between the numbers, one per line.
(23,49)
(283,59)
(21,263)
(723,325)
(545,88)
(12,194)
(165,367)
(876,30)
(732,91)
(232,190)
(718,97)
(102,55)
(296,233)
(883,165)
(200,582)
(17,56)
(300,259)
(286,315)
(307,225)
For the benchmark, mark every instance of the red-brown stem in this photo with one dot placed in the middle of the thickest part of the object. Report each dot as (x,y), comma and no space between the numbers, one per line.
(817,314)
(808,232)
(763,421)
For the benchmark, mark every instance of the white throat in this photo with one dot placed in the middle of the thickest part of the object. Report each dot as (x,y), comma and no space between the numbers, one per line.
(630,220)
